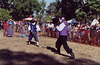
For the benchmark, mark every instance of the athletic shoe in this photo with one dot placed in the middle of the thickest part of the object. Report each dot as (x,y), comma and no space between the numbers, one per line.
(72,55)
(37,45)
(28,43)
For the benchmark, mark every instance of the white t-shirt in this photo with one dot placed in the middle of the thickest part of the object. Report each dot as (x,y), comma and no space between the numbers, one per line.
(50,26)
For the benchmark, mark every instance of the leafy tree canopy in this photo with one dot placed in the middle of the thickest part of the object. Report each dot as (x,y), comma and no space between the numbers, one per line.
(21,8)
(42,10)
(68,8)
(91,8)
(4,14)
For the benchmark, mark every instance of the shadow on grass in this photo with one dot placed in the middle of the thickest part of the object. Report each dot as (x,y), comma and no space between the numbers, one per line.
(8,57)
(32,42)
(55,51)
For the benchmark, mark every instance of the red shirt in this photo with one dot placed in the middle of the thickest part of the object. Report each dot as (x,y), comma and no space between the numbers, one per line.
(80,29)
(5,26)
(87,31)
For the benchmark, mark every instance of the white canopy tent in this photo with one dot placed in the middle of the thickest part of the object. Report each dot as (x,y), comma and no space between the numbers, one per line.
(94,22)
(28,18)
(72,21)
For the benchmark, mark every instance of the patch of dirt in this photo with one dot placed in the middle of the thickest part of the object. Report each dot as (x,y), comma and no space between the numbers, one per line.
(14,51)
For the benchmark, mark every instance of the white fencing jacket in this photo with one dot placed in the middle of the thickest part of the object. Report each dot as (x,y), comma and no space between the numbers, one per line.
(37,27)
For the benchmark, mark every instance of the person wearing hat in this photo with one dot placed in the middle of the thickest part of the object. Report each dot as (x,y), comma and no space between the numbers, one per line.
(62,39)
(33,28)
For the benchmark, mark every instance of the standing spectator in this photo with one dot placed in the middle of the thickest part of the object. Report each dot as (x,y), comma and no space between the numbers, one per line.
(17,26)
(79,23)
(0,25)
(75,33)
(93,35)
(41,26)
(20,27)
(10,28)
(45,29)
(50,29)
(62,40)
(87,26)
(98,34)
(81,30)
(26,28)
(69,28)
(86,36)
(5,26)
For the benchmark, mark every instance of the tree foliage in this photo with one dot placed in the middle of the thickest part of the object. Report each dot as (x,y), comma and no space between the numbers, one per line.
(42,10)
(4,4)
(79,9)
(24,8)
(94,6)
(4,14)
(91,8)
(54,9)
(21,8)
(68,8)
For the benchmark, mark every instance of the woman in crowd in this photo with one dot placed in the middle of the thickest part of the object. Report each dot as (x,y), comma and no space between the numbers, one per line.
(10,28)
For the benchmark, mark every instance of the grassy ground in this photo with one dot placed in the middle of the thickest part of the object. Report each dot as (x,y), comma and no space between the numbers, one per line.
(14,51)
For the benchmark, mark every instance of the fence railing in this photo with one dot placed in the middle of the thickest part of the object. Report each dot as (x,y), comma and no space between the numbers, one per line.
(93,38)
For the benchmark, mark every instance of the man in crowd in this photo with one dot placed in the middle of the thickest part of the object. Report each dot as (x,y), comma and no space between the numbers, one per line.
(69,28)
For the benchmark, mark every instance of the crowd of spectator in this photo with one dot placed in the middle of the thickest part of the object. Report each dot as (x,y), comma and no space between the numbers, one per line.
(14,28)
(77,32)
